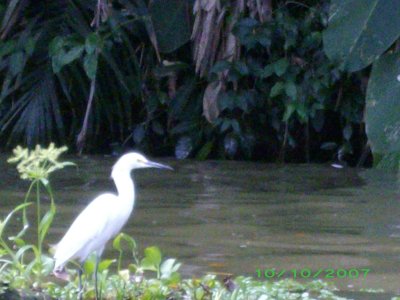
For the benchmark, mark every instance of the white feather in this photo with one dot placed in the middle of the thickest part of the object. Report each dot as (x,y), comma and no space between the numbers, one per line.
(101,220)
(104,217)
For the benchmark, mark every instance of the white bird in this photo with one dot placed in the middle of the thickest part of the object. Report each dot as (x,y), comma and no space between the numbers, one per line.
(103,218)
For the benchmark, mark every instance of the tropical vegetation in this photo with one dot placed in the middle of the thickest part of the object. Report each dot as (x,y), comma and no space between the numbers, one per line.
(369,34)
(246,79)
(206,79)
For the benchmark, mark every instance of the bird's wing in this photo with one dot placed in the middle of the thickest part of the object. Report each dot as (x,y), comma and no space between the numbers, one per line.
(87,228)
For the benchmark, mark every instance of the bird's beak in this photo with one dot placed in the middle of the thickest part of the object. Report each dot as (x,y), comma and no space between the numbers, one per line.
(152,164)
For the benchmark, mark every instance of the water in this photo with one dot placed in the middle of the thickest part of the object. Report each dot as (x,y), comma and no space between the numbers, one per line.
(237,217)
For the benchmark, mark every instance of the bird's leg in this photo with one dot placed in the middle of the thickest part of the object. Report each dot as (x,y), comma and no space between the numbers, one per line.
(80,286)
(95,277)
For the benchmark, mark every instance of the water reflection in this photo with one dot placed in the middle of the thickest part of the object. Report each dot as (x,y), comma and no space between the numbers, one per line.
(236,217)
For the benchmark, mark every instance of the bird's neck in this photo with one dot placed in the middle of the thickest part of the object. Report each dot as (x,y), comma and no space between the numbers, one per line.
(125,188)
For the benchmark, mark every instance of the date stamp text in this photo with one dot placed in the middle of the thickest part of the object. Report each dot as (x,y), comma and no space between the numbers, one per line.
(328,273)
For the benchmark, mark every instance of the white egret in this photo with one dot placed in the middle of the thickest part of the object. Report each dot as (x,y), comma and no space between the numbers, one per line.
(103,218)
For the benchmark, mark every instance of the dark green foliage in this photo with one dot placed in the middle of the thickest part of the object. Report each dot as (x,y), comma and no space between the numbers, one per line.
(283,92)
(382,113)
(282,99)
(171,21)
(358,34)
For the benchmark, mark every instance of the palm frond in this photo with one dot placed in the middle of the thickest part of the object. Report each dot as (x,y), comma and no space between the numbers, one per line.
(36,113)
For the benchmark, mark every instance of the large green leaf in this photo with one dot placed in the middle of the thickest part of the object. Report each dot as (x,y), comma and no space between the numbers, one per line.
(171,23)
(152,259)
(359,31)
(383,106)
(90,65)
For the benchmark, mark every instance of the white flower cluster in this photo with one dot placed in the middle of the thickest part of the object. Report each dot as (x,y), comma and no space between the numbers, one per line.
(39,163)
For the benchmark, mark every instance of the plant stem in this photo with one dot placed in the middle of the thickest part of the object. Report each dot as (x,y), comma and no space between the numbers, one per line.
(25,221)
(285,138)
(81,139)
(307,137)
(9,251)
(120,260)
(38,220)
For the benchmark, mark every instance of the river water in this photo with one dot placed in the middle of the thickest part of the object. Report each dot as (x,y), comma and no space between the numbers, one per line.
(246,218)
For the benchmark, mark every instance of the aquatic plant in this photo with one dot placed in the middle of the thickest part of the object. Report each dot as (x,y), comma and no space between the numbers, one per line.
(26,270)
(36,166)
(154,278)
